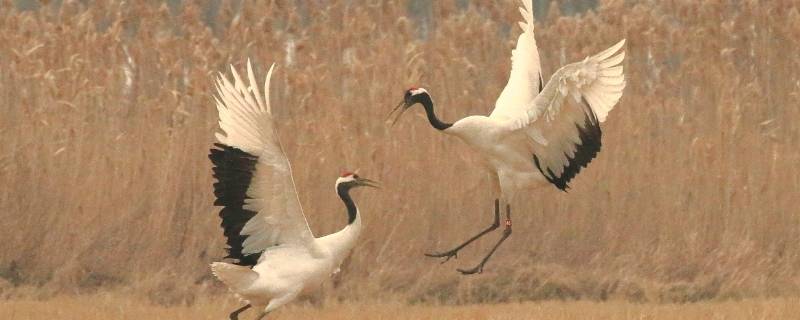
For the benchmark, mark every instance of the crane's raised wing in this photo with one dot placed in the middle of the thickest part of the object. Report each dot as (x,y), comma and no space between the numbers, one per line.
(525,79)
(563,121)
(254,179)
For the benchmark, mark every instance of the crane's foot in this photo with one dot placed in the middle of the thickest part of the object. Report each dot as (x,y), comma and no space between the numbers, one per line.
(447,255)
(476,269)
(506,234)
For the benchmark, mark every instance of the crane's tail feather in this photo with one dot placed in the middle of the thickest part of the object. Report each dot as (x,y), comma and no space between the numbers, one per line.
(237,278)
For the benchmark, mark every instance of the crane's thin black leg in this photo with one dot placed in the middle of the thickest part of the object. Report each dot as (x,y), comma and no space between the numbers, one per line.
(235,314)
(454,252)
(506,233)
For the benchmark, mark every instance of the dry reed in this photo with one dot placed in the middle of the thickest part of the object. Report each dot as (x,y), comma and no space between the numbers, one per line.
(107,118)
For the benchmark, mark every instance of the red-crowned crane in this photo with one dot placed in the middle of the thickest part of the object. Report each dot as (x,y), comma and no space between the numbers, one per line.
(536,134)
(275,255)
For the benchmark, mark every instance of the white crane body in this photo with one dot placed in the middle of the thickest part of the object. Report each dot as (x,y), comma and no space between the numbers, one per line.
(506,156)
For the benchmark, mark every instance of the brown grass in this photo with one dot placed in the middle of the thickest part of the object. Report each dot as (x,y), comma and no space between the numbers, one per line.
(107,118)
(122,308)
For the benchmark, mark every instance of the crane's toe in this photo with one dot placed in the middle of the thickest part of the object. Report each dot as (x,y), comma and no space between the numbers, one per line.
(447,255)
(476,269)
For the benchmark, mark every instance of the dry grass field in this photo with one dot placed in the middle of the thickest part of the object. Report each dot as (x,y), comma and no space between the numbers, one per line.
(123,308)
(106,117)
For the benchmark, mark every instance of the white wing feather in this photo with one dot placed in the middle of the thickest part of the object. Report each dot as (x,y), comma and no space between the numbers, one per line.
(246,122)
(599,79)
(525,78)
(563,120)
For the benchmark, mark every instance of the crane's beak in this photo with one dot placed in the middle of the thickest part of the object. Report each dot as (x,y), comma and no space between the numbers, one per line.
(403,104)
(367,183)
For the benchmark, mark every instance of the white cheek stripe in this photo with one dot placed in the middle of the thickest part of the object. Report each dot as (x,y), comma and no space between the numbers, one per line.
(418,91)
(341,180)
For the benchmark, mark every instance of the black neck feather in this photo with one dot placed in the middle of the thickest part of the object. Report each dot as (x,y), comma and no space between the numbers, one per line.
(344,192)
(427,103)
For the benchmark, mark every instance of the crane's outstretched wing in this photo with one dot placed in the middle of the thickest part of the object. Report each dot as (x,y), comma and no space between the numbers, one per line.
(525,79)
(563,121)
(254,179)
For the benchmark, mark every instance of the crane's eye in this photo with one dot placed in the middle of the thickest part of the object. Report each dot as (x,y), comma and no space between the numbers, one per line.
(355,176)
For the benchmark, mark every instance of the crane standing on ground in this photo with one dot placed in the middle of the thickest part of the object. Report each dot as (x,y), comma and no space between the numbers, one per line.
(276,255)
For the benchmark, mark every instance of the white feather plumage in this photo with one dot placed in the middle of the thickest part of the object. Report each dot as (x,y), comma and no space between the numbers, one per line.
(536,135)
(292,260)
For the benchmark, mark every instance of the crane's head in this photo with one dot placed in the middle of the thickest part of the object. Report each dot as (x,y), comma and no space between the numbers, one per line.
(411,97)
(349,180)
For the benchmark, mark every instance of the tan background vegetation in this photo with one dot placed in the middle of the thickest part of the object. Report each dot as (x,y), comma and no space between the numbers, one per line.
(107,117)
(112,306)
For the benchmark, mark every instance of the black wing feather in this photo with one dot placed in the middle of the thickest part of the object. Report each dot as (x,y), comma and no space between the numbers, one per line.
(590,136)
(233,169)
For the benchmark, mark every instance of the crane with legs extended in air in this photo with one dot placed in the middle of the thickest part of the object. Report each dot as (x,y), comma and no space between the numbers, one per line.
(275,255)
(538,134)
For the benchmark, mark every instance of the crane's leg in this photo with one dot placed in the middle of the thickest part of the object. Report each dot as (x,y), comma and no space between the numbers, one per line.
(506,233)
(235,314)
(454,252)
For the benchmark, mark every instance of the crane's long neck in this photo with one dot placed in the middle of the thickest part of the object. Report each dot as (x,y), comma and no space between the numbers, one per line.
(341,242)
(427,103)
(352,211)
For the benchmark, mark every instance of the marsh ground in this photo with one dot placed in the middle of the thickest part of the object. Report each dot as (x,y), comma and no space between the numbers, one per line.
(121,308)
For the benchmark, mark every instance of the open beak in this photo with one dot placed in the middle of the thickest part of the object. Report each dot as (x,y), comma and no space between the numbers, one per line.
(368,183)
(401,104)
